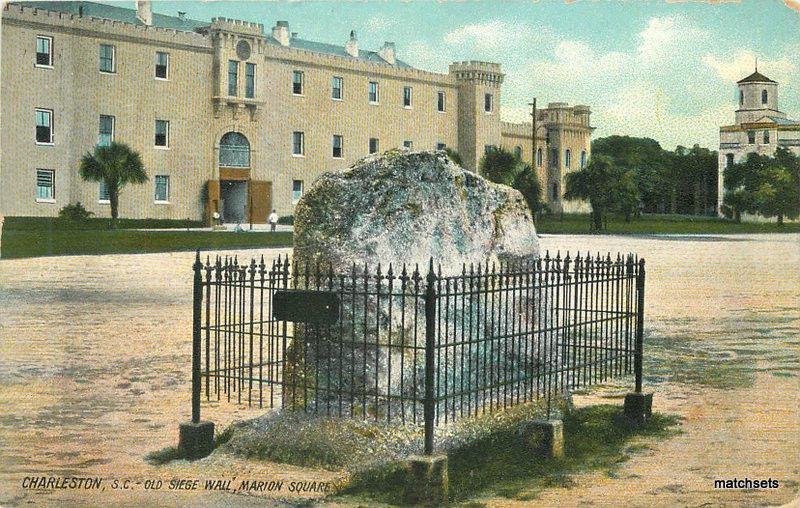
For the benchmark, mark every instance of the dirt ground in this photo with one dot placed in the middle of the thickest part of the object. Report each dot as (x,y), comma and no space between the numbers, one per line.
(95,363)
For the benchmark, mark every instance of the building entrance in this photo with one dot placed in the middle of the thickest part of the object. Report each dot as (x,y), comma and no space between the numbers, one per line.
(233,201)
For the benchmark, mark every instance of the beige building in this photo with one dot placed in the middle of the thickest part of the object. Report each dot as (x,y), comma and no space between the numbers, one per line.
(759,127)
(229,117)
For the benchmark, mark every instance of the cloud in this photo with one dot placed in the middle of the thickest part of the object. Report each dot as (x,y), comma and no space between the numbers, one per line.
(379,24)
(793,4)
(664,37)
(491,35)
(742,63)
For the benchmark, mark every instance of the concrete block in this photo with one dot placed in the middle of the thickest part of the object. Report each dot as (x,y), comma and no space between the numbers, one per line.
(427,482)
(196,439)
(638,407)
(545,438)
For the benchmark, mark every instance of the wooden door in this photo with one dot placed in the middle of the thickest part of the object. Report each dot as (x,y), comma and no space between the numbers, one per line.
(260,200)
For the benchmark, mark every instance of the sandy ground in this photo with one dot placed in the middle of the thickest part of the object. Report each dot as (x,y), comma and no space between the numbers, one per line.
(95,363)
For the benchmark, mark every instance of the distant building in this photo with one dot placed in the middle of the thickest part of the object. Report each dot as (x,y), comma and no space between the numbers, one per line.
(231,119)
(760,127)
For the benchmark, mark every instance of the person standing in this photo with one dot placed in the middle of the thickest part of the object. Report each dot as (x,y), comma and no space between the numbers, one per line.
(273,220)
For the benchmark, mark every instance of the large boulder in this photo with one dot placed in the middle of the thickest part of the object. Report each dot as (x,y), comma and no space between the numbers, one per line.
(406,207)
(403,209)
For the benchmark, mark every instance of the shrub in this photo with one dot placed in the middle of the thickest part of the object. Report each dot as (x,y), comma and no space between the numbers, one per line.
(75,212)
(286,220)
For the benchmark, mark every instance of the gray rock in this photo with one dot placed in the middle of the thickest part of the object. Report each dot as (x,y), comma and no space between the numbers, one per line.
(405,207)
(399,210)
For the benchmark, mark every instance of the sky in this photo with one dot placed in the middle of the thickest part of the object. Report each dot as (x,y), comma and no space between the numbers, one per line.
(663,69)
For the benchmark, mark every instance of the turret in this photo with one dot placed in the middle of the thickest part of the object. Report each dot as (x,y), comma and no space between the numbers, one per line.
(478,109)
(758,97)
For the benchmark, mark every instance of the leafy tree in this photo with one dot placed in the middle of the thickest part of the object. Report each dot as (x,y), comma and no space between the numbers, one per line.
(606,186)
(500,166)
(454,156)
(769,186)
(117,165)
(75,212)
(527,182)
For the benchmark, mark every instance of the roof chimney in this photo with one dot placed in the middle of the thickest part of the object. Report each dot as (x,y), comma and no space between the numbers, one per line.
(280,32)
(351,48)
(387,52)
(181,15)
(144,12)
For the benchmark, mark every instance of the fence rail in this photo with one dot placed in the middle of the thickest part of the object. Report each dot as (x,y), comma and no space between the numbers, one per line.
(410,344)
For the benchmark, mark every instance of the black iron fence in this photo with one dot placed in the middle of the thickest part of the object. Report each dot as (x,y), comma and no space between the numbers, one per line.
(410,344)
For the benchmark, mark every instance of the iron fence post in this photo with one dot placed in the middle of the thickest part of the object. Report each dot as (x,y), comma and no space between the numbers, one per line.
(639,326)
(430,338)
(196,338)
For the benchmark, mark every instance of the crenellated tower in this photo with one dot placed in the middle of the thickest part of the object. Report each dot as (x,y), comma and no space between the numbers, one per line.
(478,108)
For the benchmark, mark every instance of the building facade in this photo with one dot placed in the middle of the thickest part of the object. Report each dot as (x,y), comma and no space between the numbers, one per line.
(760,127)
(229,117)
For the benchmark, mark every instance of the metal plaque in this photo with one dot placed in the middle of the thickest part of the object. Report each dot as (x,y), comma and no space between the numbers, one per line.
(301,306)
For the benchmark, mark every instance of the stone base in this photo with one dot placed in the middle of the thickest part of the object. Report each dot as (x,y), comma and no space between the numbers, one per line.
(545,438)
(426,481)
(196,440)
(638,408)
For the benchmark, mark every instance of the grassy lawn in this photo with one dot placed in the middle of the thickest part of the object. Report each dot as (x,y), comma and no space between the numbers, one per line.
(594,439)
(658,224)
(34,243)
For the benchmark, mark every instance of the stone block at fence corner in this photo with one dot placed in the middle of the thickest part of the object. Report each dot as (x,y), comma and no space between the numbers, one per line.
(196,440)
(545,438)
(638,408)
(426,481)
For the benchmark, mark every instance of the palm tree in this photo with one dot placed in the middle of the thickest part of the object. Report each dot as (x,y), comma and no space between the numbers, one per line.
(117,165)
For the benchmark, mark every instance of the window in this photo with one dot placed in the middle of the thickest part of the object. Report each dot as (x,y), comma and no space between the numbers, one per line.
(162,189)
(336,88)
(539,157)
(729,160)
(234,151)
(233,77)
(44,51)
(373,145)
(766,137)
(338,143)
(297,191)
(555,191)
(741,97)
(488,148)
(487,103)
(250,80)
(406,96)
(162,133)
(373,92)
(764,96)
(518,152)
(408,144)
(297,83)
(751,137)
(554,157)
(440,146)
(583,159)
(106,132)
(162,65)
(107,63)
(440,101)
(567,157)
(44,127)
(45,185)
(298,143)
(102,193)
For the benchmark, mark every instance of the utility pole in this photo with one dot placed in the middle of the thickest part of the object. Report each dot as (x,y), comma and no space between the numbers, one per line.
(533,135)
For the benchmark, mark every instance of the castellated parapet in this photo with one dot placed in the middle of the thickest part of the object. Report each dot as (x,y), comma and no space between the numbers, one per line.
(474,70)
(237,26)
(112,29)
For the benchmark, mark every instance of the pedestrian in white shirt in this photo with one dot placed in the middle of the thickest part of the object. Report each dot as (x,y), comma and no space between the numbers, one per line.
(273,220)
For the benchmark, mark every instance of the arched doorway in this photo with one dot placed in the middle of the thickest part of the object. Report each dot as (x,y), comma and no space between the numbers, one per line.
(234,152)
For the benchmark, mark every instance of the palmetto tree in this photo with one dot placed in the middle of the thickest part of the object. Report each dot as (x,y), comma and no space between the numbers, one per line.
(117,165)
